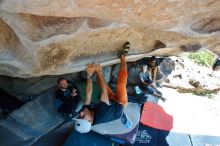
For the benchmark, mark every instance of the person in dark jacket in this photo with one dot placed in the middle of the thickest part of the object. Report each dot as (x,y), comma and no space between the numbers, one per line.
(67,97)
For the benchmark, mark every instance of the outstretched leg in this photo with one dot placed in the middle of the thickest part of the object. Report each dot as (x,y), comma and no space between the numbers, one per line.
(121,91)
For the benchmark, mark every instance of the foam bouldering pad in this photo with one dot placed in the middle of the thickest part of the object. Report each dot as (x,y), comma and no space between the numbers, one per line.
(168,138)
(115,129)
(148,136)
(126,138)
(55,137)
(205,140)
(154,116)
(88,139)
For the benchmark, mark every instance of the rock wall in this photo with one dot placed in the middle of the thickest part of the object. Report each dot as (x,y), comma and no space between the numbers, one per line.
(57,37)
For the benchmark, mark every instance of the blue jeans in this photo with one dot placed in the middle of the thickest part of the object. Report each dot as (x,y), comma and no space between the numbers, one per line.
(148,89)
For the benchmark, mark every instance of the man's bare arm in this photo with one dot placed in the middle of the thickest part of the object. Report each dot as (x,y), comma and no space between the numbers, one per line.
(104,95)
(154,70)
(90,70)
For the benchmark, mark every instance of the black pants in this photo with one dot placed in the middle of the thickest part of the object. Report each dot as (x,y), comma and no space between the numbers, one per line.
(69,105)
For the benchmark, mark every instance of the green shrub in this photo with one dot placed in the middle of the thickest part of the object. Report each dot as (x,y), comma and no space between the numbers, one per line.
(203,58)
(204,94)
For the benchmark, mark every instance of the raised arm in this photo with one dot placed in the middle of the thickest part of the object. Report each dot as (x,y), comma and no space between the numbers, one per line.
(90,70)
(104,95)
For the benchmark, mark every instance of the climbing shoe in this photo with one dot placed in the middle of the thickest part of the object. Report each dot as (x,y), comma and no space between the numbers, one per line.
(125,49)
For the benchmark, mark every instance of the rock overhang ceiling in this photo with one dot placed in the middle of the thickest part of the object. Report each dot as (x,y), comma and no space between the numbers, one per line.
(57,37)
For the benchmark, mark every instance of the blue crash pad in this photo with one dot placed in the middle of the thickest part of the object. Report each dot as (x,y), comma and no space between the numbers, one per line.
(87,139)
(204,140)
(155,137)
(167,138)
(146,136)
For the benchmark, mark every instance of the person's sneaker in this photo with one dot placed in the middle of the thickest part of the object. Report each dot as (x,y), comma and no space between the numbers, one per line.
(159,93)
(125,49)
(125,121)
(158,85)
(163,99)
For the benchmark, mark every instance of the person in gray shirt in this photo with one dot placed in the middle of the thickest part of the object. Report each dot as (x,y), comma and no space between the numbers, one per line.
(147,85)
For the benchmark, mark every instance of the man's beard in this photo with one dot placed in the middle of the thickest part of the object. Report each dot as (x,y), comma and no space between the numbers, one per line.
(63,88)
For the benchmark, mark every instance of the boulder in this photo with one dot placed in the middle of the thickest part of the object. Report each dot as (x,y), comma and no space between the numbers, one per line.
(59,37)
(167,66)
(23,88)
(133,71)
(106,71)
(216,65)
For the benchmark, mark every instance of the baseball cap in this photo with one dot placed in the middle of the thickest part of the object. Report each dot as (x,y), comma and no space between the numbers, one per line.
(82,125)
